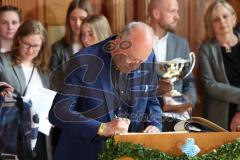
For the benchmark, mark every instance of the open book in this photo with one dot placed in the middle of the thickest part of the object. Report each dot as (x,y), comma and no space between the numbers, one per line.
(198,124)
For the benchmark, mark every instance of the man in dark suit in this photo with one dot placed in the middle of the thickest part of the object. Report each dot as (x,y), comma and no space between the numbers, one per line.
(167,46)
(107,89)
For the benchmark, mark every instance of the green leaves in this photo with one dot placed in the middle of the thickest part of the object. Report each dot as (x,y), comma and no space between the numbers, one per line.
(112,151)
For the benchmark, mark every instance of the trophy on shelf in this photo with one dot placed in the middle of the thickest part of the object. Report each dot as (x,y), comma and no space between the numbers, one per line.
(173,70)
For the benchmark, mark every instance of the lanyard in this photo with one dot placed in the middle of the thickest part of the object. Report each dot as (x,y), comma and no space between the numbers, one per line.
(29,80)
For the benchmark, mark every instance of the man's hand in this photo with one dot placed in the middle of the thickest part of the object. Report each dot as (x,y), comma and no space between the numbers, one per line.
(235,123)
(165,87)
(116,126)
(151,129)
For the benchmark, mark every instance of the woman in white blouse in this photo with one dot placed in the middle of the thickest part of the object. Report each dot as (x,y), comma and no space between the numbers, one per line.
(26,67)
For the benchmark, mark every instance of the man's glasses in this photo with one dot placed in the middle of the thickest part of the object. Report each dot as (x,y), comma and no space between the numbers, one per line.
(122,50)
(28,46)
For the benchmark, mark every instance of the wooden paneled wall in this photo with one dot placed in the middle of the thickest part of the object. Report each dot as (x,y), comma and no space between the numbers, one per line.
(30,9)
(120,12)
(12,2)
(236,6)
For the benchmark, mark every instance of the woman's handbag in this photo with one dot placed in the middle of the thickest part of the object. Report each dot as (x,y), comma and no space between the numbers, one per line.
(18,128)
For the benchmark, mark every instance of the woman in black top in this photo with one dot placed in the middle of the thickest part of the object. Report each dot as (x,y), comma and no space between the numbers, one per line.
(219,59)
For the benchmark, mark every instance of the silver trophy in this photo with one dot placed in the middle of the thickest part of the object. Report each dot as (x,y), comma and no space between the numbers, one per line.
(173,70)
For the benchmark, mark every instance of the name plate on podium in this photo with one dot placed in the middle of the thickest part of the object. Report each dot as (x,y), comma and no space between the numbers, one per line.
(171,142)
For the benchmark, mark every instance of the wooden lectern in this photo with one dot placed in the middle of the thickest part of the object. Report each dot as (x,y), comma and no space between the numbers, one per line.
(171,142)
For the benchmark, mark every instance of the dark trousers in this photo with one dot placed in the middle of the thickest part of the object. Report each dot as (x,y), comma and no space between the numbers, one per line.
(55,136)
(40,149)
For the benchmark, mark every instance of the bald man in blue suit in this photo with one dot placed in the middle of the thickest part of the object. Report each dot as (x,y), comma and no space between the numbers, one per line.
(106,89)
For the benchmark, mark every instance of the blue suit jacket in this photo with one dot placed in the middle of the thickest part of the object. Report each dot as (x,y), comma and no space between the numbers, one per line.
(86,97)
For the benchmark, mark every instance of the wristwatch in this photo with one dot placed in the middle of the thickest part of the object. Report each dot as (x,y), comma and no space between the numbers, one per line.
(101,129)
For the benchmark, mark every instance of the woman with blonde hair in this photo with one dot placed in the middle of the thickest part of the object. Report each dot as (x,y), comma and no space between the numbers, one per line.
(95,28)
(26,67)
(219,59)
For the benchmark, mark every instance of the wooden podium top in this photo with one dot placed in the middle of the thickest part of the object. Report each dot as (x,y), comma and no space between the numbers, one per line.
(171,142)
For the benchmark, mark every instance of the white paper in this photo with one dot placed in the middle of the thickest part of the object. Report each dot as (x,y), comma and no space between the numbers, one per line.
(44,125)
(42,99)
(182,116)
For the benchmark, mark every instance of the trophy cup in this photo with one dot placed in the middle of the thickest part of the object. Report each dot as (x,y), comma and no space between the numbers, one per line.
(173,70)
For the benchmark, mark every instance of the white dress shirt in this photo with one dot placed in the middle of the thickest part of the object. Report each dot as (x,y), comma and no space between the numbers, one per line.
(160,48)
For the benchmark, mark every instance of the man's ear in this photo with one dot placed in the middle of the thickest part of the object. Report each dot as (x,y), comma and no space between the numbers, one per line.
(155,13)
